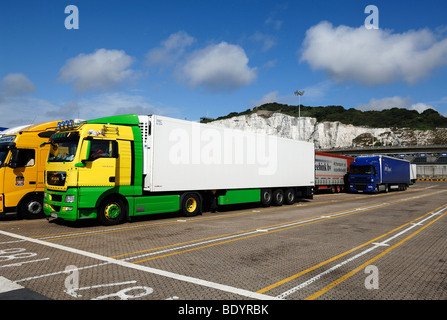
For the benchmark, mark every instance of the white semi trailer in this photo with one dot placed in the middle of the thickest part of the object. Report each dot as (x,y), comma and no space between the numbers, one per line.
(134,165)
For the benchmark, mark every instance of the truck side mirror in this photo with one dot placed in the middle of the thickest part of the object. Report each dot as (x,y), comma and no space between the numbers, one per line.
(85,152)
(13,162)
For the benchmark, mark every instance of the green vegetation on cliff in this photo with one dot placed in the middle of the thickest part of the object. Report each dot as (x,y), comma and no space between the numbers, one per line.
(389,118)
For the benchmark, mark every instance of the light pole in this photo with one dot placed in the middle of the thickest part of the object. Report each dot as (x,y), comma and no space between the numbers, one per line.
(299,94)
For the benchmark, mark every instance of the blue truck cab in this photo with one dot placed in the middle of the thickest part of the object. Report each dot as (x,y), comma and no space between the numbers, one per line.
(378,173)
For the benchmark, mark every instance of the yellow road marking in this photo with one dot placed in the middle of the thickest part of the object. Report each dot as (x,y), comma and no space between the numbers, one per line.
(352,211)
(150,225)
(364,265)
(277,284)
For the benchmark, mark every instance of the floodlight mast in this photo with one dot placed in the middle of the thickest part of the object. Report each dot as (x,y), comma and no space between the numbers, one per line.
(299,94)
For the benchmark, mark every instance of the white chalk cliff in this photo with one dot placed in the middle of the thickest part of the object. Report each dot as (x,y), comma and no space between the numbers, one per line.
(327,135)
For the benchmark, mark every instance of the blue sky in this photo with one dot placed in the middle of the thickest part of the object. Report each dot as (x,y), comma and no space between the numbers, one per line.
(189,59)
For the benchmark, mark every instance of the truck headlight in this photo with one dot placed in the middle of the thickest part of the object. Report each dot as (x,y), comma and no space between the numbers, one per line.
(70,198)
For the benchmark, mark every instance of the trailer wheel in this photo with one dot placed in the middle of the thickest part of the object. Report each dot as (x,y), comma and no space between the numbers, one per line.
(290,196)
(278,197)
(112,211)
(191,205)
(266,197)
(31,207)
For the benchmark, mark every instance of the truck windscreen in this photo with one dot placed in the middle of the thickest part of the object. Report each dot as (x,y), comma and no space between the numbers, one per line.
(355,169)
(4,149)
(3,154)
(63,147)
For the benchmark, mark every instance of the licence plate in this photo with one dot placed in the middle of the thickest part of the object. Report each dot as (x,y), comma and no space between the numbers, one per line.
(53,214)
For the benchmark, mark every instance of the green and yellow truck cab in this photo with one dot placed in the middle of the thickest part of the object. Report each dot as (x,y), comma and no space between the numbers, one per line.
(94,166)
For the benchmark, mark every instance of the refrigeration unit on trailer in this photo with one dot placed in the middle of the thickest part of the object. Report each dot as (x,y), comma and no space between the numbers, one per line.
(123,166)
(379,173)
(331,171)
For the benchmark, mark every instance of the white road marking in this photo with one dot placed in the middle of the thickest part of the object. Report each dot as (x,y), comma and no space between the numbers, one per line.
(214,285)
(19,264)
(376,245)
(8,285)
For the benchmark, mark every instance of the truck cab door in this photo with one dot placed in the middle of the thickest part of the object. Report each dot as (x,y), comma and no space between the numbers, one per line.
(99,168)
(20,175)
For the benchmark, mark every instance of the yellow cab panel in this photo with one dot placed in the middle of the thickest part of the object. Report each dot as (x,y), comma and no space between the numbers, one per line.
(22,165)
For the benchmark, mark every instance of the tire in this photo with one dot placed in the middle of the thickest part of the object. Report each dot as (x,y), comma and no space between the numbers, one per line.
(191,205)
(266,197)
(31,207)
(290,196)
(278,197)
(112,211)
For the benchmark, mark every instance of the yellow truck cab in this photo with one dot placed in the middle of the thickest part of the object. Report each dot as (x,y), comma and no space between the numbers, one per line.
(23,156)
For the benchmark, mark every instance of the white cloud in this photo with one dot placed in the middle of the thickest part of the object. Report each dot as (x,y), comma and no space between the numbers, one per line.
(274,96)
(170,50)
(17,111)
(102,70)
(16,84)
(216,68)
(101,105)
(267,98)
(318,90)
(267,41)
(394,102)
(276,23)
(373,56)
(420,107)
(108,104)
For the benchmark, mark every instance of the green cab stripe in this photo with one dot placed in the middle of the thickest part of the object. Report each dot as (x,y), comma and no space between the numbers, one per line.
(127,120)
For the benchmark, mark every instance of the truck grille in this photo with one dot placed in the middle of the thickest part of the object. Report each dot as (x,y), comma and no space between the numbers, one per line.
(360,186)
(55,197)
(56,178)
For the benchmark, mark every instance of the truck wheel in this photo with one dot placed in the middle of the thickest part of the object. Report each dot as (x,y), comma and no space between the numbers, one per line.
(31,207)
(278,197)
(290,196)
(266,197)
(112,211)
(191,205)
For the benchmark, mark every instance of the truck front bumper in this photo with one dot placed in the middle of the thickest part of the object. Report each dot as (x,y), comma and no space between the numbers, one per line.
(362,187)
(57,204)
